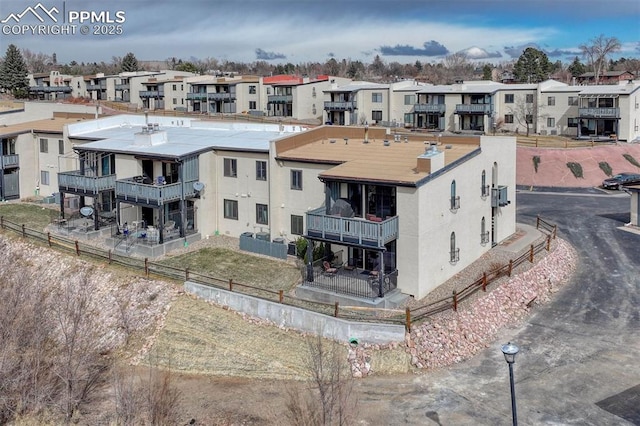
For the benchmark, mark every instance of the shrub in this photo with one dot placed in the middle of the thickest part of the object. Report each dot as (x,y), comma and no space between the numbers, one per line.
(536,161)
(606,168)
(630,159)
(576,169)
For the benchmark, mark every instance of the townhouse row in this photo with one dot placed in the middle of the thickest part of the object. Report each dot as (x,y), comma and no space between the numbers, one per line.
(484,107)
(409,211)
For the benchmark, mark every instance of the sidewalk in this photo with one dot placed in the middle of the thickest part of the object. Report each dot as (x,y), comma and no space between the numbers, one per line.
(524,236)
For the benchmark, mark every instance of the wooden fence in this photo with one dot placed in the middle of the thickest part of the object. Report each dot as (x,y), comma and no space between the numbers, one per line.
(392,316)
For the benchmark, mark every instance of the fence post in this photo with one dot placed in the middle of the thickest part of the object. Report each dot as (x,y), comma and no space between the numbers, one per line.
(230,284)
(281,296)
(531,254)
(407,315)
(77,248)
(455,301)
(24,233)
(146,266)
(484,281)
(510,267)
(555,231)
(186,274)
(110,260)
(49,238)
(335,311)
(2,222)
(538,222)
(548,242)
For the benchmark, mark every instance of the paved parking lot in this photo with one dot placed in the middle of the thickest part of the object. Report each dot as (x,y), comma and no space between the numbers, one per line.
(579,361)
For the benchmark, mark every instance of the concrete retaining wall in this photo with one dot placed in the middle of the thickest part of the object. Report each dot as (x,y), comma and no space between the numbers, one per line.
(300,319)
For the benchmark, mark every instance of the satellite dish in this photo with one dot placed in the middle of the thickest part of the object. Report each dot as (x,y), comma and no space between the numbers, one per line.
(86,211)
(342,208)
(198,186)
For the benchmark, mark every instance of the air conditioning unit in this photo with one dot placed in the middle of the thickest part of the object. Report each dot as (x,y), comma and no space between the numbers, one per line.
(553,132)
(543,132)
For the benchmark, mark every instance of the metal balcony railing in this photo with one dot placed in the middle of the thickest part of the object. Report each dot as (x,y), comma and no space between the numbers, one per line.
(76,182)
(198,96)
(430,108)
(473,109)
(354,230)
(221,96)
(280,99)
(132,191)
(11,160)
(599,112)
(340,106)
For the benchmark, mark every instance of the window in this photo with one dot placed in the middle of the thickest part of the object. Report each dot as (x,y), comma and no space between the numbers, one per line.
(376,97)
(573,101)
(261,170)
(175,101)
(572,122)
(455,200)
(409,99)
(508,98)
(529,99)
(484,234)
(551,100)
(231,209)
(60,146)
(175,87)
(44,145)
(529,118)
(262,214)
(231,167)
(44,177)
(252,104)
(252,90)
(408,118)
(376,115)
(296,179)
(551,122)
(297,225)
(484,188)
(508,118)
(454,253)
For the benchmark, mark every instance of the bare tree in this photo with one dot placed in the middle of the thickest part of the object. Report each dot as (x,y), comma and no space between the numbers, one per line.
(329,398)
(525,111)
(597,52)
(37,62)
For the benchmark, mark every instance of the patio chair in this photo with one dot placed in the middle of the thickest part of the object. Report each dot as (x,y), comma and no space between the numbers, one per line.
(328,269)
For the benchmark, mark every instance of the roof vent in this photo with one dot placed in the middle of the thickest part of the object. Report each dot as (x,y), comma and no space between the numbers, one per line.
(386,142)
(332,141)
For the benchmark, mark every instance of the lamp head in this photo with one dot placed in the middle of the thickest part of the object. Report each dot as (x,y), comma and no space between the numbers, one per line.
(510,351)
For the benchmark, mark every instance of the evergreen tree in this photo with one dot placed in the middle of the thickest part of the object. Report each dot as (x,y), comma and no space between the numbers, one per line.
(576,68)
(533,66)
(13,73)
(487,72)
(129,62)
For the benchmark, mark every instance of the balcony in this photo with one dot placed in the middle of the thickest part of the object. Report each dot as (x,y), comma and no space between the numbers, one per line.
(133,191)
(122,86)
(96,87)
(222,96)
(473,109)
(430,108)
(9,161)
(340,106)
(280,99)
(50,89)
(599,112)
(352,230)
(197,96)
(77,183)
(454,203)
(151,94)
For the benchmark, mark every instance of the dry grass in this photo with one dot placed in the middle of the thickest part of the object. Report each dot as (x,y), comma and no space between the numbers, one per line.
(30,215)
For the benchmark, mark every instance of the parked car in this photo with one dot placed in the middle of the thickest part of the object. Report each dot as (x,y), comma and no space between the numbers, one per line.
(620,180)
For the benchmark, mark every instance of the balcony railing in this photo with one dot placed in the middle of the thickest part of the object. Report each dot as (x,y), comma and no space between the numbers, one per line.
(599,112)
(11,160)
(222,97)
(430,108)
(352,230)
(151,94)
(280,99)
(499,196)
(340,106)
(96,87)
(77,183)
(50,89)
(132,191)
(198,96)
(455,203)
(454,255)
(473,109)
(122,86)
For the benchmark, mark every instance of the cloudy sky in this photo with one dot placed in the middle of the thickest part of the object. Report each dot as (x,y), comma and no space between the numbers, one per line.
(281,31)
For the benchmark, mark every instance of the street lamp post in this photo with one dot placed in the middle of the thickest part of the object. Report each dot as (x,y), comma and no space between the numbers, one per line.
(510,351)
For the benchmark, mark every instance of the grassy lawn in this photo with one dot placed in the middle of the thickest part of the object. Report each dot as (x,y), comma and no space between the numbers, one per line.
(31,215)
(242,268)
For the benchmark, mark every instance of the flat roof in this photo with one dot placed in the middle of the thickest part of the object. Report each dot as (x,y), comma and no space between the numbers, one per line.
(394,163)
(181,136)
(51,125)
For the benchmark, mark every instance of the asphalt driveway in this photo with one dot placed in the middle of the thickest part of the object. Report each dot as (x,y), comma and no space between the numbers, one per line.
(579,361)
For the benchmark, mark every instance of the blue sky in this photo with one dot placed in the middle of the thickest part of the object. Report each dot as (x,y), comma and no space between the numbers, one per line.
(297,31)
